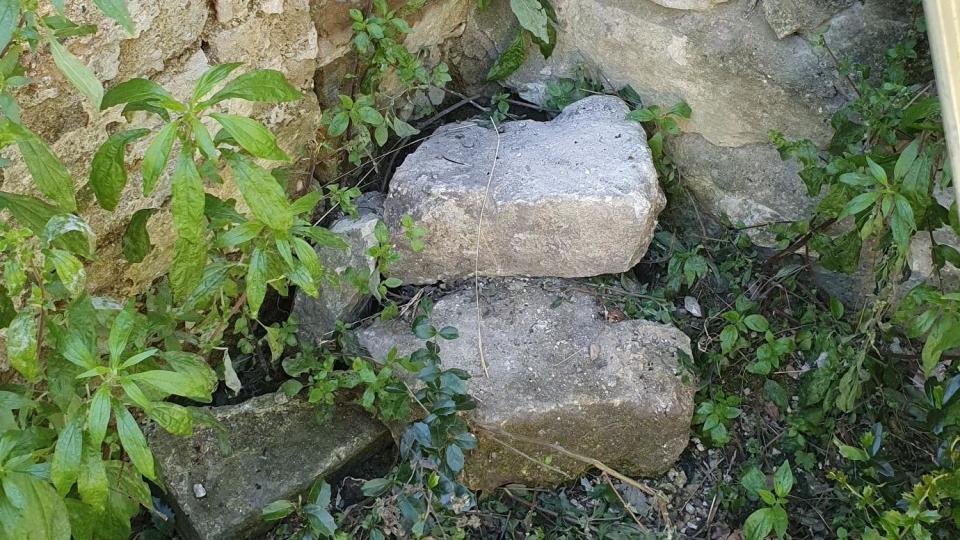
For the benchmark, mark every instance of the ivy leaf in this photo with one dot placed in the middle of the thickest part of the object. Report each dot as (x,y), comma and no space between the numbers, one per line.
(263,85)
(140,91)
(108,172)
(155,159)
(252,136)
(76,72)
(263,195)
(531,16)
(65,466)
(9,15)
(136,239)
(22,345)
(210,78)
(509,60)
(133,441)
(117,10)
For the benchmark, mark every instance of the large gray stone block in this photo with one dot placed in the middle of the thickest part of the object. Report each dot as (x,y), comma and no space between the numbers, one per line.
(559,373)
(575,196)
(277,449)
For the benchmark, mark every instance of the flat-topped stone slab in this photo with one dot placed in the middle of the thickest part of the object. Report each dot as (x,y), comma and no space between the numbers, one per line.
(559,373)
(277,448)
(576,196)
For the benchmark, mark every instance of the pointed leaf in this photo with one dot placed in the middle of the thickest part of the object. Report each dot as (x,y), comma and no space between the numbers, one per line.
(98,416)
(77,72)
(264,85)
(252,136)
(133,441)
(108,171)
(117,10)
(65,466)
(155,159)
(136,239)
(262,193)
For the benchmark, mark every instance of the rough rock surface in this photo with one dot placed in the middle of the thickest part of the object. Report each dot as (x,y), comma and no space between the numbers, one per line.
(277,448)
(317,317)
(576,196)
(789,16)
(740,79)
(561,374)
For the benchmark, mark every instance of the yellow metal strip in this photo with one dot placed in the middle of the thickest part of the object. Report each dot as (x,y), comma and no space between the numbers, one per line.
(943,28)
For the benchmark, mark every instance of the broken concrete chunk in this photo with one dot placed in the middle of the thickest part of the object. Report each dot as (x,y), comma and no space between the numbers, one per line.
(277,449)
(560,374)
(576,196)
(317,317)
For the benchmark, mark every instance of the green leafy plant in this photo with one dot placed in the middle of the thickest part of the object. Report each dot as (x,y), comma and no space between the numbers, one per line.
(314,508)
(536,20)
(715,415)
(773,517)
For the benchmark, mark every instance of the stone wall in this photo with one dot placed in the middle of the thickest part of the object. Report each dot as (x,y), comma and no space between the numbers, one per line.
(174,42)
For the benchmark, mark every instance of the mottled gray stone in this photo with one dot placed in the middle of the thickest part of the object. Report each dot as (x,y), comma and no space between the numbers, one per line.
(789,16)
(558,372)
(317,317)
(277,449)
(747,185)
(689,4)
(576,196)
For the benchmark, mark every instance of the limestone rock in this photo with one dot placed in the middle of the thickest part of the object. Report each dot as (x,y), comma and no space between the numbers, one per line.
(576,196)
(789,16)
(689,4)
(748,185)
(317,317)
(277,449)
(559,373)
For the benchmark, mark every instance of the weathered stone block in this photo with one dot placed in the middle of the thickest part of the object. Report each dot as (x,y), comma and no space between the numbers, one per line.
(277,449)
(559,373)
(576,196)
(317,317)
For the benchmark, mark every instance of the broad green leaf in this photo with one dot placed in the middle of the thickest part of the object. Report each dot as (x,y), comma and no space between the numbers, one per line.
(210,78)
(136,395)
(906,159)
(136,239)
(681,109)
(65,466)
(92,480)
(187,201)
(757,323)
(306,203)
(252,136)
(531,16)
(48,173)
(878,173)
(860,203)
(783,480)
(117,10)
(140,91)
(263,195)
(902,223)
(196,367)
(403,129)
(76,72)
(728,338)
(22,345)
(157,154)
(758,525)
(62,225)
(338,124)
(30,212)
(175,419)
(175,383)
(70,271)
(309,258)
(123,326)
(277,510)
(41,510)
(509,60)
(9,15)
(202,136)
(265,85)
(186,269)
(256,281)
(137,358)
(134,444)
(454,458)
(108,171)
(98,417)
